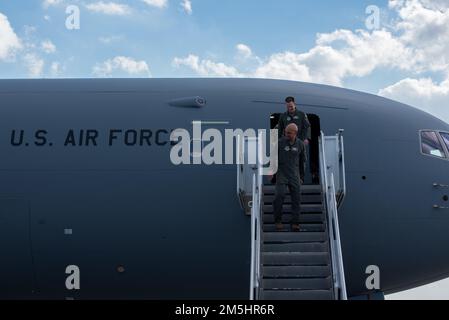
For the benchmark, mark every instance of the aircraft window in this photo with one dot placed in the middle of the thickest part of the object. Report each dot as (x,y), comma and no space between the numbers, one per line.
(431,145)
(445,137)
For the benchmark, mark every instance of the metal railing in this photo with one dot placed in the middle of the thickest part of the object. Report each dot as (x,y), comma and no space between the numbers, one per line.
(256,225)
(341,193)
(245,170)
(331,197)
(335,160)
(240,181)
(250,193)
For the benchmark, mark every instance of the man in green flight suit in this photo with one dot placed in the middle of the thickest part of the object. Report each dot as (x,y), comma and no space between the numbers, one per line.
(293,115)
(291,151)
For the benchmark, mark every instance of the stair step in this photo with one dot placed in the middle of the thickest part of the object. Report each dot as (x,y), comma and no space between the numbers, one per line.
(305,189)
(296,247)
(296,271)
(303,218)
(296,265)
(296,295)
(298,237)
(298,284)
(295,259)
(270,227)
(305,208)
(269,198)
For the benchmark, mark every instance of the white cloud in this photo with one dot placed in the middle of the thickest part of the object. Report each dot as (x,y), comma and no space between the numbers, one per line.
(110,39)
(48,47)
(56,69)
(417,41)
(29,31)
(336,56)
(187,6)
(156,3)
(246,60)
(431,4)
(122,64)
(50,3)
(344,54)
(206,67)
(423,93)
(285,66)
(9,41)
(34,64)
(423,26)
(367,51)
(109,8)
(244,51)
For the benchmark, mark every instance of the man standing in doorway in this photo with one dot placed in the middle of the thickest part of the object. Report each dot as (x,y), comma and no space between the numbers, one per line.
(293,115)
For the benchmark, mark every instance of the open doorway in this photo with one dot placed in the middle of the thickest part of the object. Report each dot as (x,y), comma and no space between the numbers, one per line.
(312,163)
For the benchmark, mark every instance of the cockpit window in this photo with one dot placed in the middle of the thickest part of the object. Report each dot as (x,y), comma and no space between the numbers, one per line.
(431,145)
(445,137)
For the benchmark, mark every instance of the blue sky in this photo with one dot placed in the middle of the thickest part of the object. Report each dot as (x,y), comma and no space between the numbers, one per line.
(406,57)
(158,35)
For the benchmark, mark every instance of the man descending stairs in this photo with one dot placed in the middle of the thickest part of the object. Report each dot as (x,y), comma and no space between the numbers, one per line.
(296,265)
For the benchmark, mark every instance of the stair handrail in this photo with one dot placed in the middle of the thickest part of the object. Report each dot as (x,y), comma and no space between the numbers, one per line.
(238,170)
(330,197)
(259,225)
(341,194)
(335,234)
(253,277)
(256,224)
(240,167)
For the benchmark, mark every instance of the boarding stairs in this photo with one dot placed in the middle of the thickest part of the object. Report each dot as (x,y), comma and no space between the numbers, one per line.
(305,265)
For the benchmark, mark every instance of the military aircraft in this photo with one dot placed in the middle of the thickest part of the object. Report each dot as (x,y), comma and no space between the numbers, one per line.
(88,189)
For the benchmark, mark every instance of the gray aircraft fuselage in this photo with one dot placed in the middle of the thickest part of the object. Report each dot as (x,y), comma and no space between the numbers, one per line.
(86,180)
